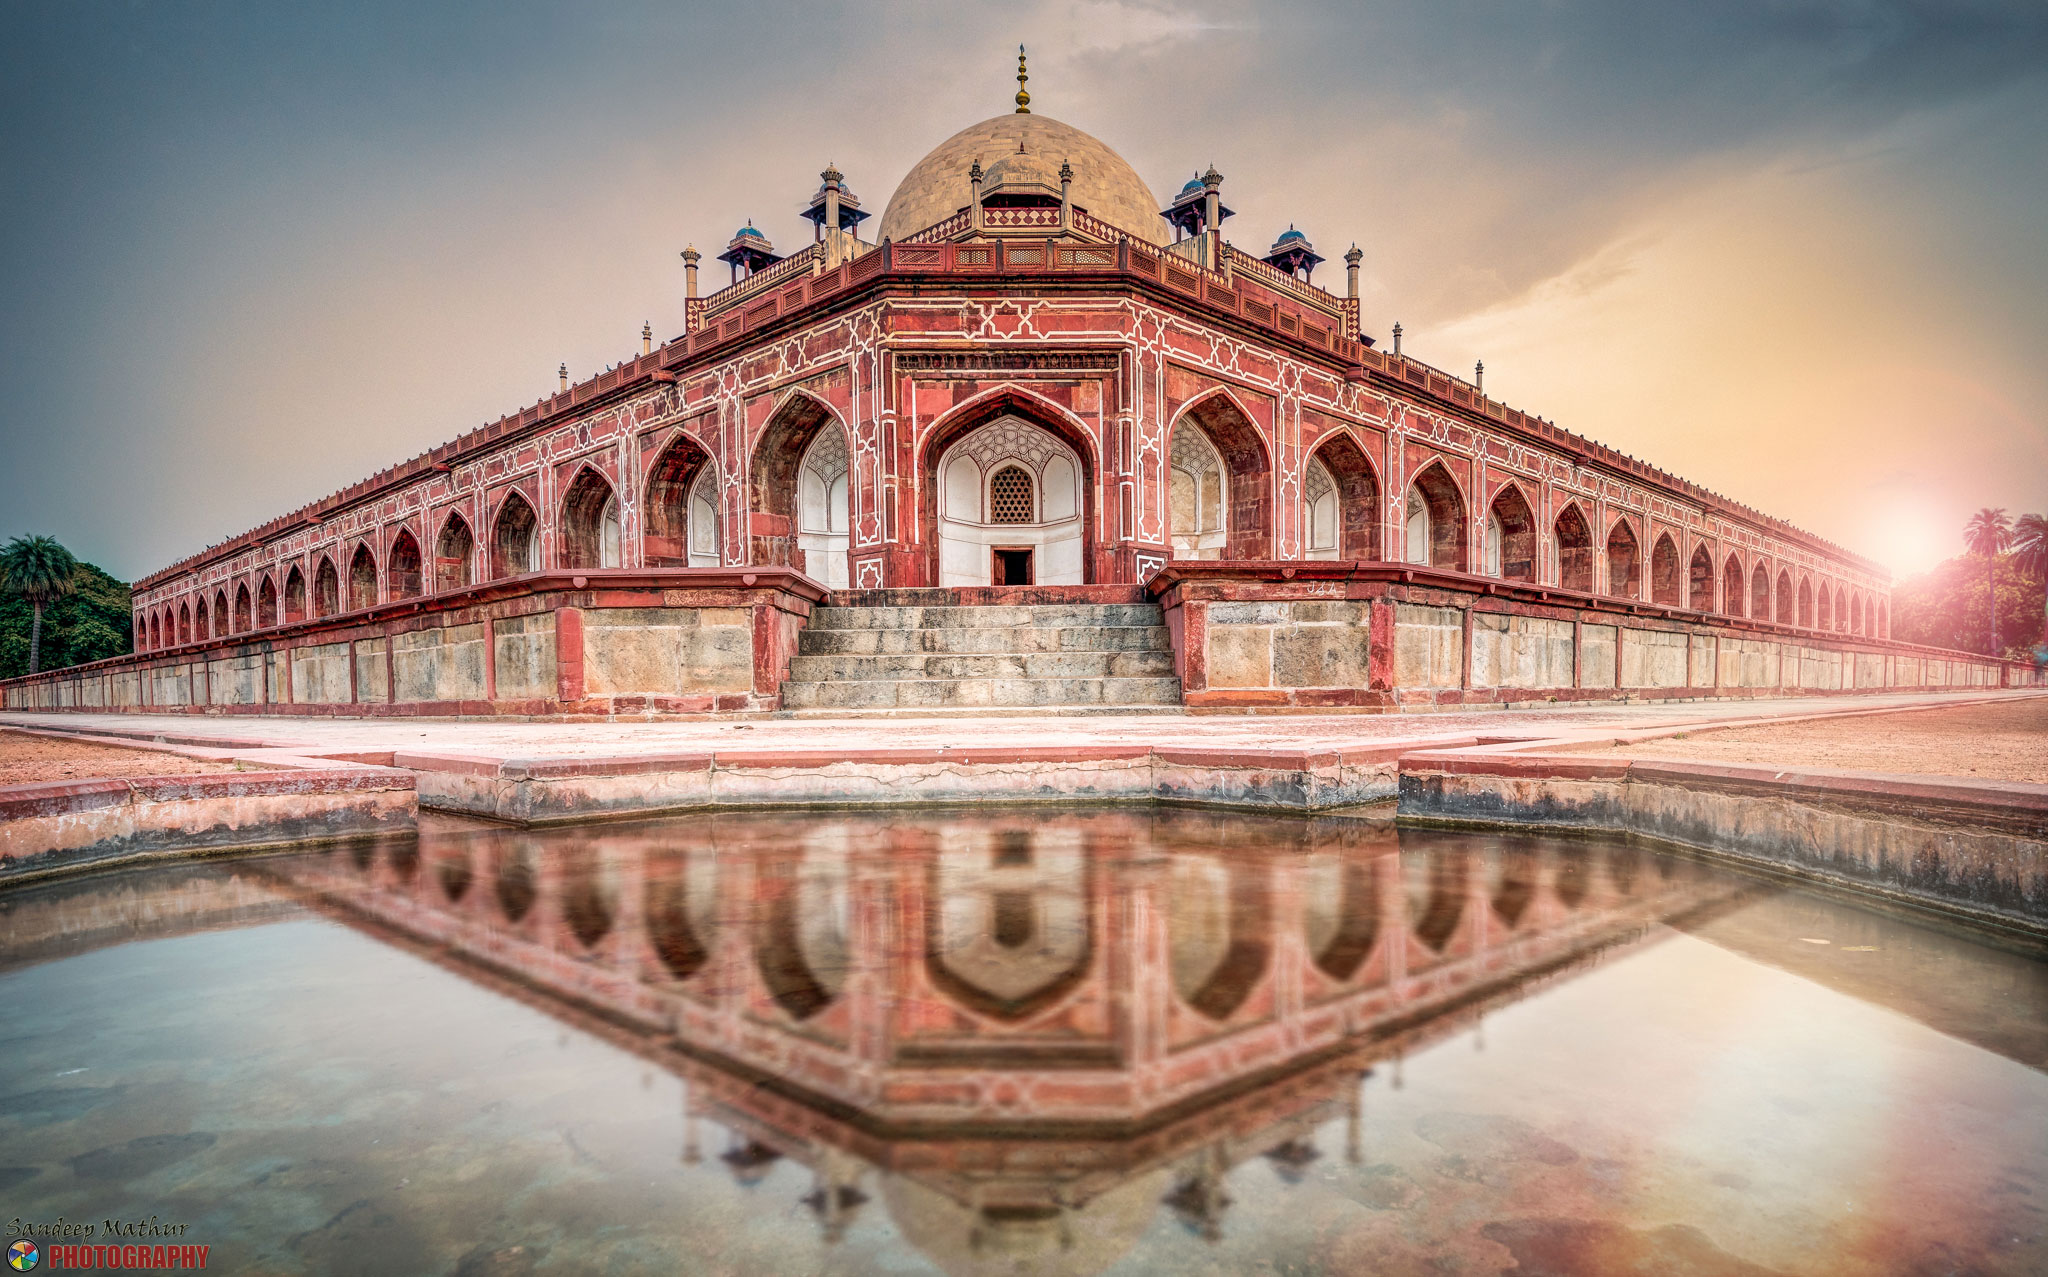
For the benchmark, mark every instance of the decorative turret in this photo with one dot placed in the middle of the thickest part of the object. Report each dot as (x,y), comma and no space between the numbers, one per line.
(1066,196)
(1352,258)
(834,205)
(1023,97)
(1294,254)
(974,195)
(690,259)
(750,249)
(1199,206)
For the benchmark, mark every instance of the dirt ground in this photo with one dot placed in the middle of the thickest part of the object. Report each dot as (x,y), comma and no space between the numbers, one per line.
(2005,740)
(29,760)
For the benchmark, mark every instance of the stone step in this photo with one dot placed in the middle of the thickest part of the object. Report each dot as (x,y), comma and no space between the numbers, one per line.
(1005,665)
(1040,616)
(986,711)
(966,641)
(935,693)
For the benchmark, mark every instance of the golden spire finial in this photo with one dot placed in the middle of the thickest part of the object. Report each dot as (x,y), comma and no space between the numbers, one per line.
(1023,95)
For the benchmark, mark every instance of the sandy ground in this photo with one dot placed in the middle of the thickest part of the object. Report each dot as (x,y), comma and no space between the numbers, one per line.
(2007,740)
(27,760)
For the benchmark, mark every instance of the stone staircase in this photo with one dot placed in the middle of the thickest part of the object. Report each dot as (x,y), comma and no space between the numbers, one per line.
(896,651)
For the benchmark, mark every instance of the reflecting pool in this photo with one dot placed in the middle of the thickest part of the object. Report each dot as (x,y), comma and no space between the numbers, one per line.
(1028,1041)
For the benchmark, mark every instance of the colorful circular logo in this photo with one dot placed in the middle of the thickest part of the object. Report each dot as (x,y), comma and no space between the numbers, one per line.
(23,1255)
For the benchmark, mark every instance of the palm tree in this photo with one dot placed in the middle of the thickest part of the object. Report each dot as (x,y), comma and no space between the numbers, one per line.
(1988,533)
(41,571)
(2030,552)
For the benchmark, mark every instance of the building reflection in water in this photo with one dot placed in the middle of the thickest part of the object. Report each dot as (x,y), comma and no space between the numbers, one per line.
(1019,1034)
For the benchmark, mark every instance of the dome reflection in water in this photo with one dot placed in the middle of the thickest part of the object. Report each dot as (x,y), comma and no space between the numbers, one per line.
(1052,1041)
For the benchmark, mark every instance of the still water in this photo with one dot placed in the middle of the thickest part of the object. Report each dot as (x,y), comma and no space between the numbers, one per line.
(1032,1042)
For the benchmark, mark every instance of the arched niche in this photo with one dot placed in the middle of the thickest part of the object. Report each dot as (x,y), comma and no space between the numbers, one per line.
(680,907)
(590,523)
(1665,586)
(1624,562)
(1856,614)
(1513,874)
(1009,930)
(1357,497)
(803,925)
(202,620)
(1246,471)
(1011,498)
(184,623)
(266,601)
(1573,537)
(220,614)
(454,554)
(1433,520)
(403,578)
(773,477)
(326,588)
(822,508)
(681,524)
(1731,587)
(362,579)
(1699,580)
(1788,606)
(1197,496)
(1322,513)
(1511,536)
(1436,882)
(245,616)
(515,538)
(1760,593)
(1825,613)
(1340,912)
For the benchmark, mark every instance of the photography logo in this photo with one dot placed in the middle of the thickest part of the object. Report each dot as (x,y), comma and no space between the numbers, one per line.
(23,1255)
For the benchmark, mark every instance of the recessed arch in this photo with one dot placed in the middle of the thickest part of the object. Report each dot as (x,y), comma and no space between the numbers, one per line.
(202,620)
(402,566)
(1434,519)
(184,623)
(1760,593)
(220,614)
(1624,561)
(803,929)
(590,523)
(515,538)
(1009,926)
(1197,497)
(1732,589)
(1856,613)
(1230,430)
(244,614)
(154,626)
(1573,535)
(454,554)
(1340,912)
(1665,587)
(1511,535)
(1358,495)
(937,453)
(772,475)
(1006,486)
(1218,930)
(1806,602)
(824,494)
(1699,589)
(294,595)
(362,579)
(326,588)
(1825,607)
(1788,607)
(675,532)
(266,601)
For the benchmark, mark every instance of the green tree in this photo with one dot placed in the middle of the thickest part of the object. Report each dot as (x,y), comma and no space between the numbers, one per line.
(2030,555)
(40,571)
(1988,533)
(89,624)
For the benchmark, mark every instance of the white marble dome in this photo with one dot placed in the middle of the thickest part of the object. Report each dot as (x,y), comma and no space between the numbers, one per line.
(1105,184)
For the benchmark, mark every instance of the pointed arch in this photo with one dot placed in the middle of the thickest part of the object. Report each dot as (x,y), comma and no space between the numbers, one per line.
(1358,495)
(1624,561)
(1664,583)
(244,615)
(267,613)
(1007,400)
(1732,589)
(326,588)
(1511,535)
(1573,534)
(1760,592)
(202,620)
(1824,614)
(1232,432)
(1788,607)
(184,623)
(454,554)
(589,528)
(666,531)
(1856,613)
(1699,587)
(1434,519)
(155,628)
(402,576)
(772,498)
(1805,602)
(515,538)
(362,579)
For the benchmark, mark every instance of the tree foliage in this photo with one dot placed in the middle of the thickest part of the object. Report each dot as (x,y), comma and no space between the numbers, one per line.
(1949,605)
(88,624)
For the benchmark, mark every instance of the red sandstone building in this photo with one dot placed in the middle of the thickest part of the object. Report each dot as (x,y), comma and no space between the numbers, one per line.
(1029,373)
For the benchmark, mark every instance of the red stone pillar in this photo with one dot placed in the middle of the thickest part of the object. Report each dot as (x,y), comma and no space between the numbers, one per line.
(569,655)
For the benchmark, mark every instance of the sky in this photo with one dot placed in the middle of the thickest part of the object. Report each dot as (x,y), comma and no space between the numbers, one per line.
(1794,251)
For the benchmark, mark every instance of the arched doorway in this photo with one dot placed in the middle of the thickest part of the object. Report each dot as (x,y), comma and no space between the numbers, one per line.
(184,623)
(1197,504)
(453,551)
(1010,508)
(244,616)
(1760,593)
(1731,587)
(1245,474)
(202,624)
(515,540)
(821,536)
(220,614)
(1805,603)
(1357,498)
(682,508)
(1624,562)
(266,602)
(402,567)
(326,589)
(1322,524)
(590,523)
(1574,538)
(1434,520)
(774,477)
(362,579)
(1699,592)
(1787,609)
(1511,537)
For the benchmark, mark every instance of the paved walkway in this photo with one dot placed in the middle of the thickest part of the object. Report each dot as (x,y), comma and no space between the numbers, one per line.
(500,739)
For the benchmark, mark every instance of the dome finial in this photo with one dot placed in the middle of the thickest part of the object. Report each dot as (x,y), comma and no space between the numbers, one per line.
(1023,95)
